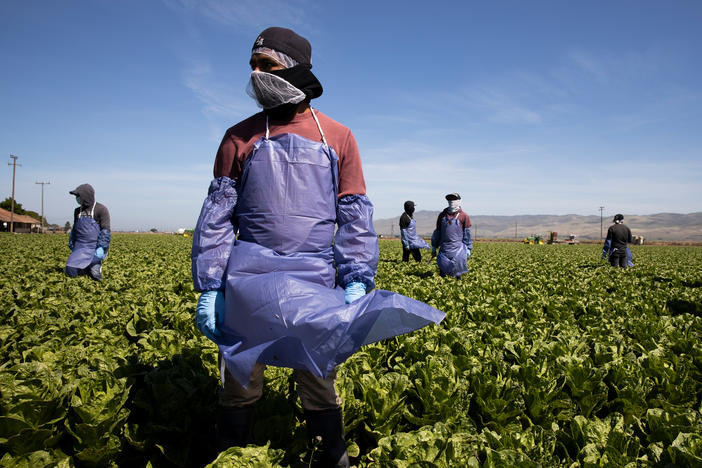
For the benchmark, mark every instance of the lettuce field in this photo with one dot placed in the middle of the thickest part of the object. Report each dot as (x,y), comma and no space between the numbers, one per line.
(547,357)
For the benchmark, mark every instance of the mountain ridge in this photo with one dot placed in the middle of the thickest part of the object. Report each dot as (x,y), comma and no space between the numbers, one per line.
(663,226)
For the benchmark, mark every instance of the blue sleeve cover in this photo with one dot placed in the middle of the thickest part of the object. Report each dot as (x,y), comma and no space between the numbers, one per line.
(355,242)
(467,238)
(70,239)
(104,239)
(214,236)
(403,238)
(436,238)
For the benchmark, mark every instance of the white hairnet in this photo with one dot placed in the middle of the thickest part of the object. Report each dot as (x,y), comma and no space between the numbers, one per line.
(279,57)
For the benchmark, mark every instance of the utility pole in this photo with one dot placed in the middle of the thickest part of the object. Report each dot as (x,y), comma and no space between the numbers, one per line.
(515,229)
(601,208)
(42,202)
(12,203)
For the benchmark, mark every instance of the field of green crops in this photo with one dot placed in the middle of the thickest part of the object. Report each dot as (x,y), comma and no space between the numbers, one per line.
(547,357)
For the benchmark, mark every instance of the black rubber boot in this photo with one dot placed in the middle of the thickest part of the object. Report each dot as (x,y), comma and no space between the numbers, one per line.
(95,271)
(329,425)
(234,426)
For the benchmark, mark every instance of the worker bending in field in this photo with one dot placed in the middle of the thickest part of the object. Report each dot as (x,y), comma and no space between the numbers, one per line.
(411,242)
(453,239)
(279,286)
(618,236)
(90,236)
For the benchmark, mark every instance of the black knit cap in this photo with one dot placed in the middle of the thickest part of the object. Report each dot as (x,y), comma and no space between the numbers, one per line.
(287,42)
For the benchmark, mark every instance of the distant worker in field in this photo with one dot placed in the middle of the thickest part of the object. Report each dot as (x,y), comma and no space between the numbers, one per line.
(279,286)
(90,236)
(411,242)
(618,236)
(453,239)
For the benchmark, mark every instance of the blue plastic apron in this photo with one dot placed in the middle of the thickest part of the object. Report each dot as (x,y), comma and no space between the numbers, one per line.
(410,237)
(85,236)
(453,252)
(282,306)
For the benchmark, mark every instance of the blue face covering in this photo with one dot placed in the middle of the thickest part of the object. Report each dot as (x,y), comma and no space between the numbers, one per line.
(78,200)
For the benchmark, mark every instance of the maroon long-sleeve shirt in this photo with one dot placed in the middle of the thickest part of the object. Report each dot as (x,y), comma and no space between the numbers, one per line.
(239,140)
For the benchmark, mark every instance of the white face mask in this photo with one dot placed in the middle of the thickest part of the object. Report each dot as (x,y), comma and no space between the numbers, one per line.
(78,200)
(271,91)
(454,205)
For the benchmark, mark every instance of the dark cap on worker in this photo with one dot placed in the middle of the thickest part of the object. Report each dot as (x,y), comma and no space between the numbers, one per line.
(287,42)
(618,217)
(453,196)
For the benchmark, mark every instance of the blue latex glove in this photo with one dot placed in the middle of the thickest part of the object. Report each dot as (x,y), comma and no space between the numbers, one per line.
(210,310)
(100,253)
(354,291)
(70,245)
(433,252)
(468,255)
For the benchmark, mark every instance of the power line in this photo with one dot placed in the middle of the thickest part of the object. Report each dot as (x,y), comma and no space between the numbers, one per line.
(12,203)
(42,202)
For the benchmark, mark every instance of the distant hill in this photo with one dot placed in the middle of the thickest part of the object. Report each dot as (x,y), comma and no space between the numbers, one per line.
(655,227)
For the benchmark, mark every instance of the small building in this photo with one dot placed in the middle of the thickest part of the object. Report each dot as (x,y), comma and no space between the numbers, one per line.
(22,223)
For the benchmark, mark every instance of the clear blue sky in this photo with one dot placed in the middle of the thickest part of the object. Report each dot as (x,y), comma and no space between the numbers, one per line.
(522,107)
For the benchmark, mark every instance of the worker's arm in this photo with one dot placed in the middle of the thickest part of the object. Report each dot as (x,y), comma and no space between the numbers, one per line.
(467,239)
(436,235)
(606,248)
(356,249)
(355,242)
(71,235)
(214,236)
(102,217)
(467,235)
(404,224)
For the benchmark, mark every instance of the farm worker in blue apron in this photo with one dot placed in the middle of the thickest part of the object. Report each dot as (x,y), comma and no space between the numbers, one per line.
(411,242)
(453,238)
(90,236)
(615,246)
(279,286)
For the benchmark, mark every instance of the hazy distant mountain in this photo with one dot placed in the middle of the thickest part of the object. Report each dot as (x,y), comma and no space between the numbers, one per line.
(660,226)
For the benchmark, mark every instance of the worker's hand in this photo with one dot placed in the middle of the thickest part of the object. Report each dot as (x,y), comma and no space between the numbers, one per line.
(468,254)
(70,245)
(354,291)
(405,246)
(100,253)
(210,311)
(433,252)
